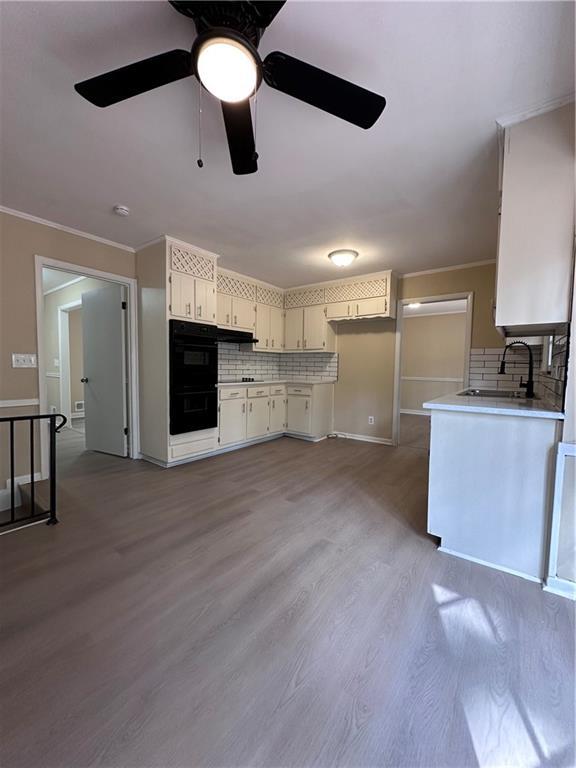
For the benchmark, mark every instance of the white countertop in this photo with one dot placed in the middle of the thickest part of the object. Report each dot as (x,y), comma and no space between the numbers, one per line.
(268,382)
(499,406)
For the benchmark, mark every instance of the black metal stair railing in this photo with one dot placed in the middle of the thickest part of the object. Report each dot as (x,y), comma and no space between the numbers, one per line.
(55,423)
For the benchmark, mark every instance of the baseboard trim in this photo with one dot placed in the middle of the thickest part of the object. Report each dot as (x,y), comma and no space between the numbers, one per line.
(561,587)
(494,566)
(18,481)
(24,525)
(413,412)
(365,438)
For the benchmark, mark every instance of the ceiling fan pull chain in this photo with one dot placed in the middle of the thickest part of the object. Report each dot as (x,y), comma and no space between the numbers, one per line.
(200,161)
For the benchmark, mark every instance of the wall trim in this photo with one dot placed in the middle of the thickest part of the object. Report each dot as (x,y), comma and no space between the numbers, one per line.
(19,403)
(365,438)
(552,580)
(63,228)
(541,109)
(414,412)
(429,378)
(496,567)
(64,285)
(18,481)
(469,265)
(50,375)
(561,587)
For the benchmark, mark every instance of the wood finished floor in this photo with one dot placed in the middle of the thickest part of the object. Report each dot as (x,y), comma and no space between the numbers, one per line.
(277,606)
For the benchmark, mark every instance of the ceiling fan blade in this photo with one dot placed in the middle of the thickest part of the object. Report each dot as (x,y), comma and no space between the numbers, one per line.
(238,122)
(267,10)
(323,90)
(123,83)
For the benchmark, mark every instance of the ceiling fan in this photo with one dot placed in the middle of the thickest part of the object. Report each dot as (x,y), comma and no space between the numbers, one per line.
(225,59)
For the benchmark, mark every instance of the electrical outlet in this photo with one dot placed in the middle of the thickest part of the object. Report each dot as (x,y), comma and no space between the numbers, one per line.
(370,419)
(23,360)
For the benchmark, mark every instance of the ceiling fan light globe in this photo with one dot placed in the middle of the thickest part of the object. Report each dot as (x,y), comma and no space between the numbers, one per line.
(227,69)
(343,258)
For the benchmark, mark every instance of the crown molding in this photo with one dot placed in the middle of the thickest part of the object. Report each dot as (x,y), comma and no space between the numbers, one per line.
(63,228)
(469,265)
(540,109)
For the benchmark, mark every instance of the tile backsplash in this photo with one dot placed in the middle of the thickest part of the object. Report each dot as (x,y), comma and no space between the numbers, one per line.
(485,362)
(236,361)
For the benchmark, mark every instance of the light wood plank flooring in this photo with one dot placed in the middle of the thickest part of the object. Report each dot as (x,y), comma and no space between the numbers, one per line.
(277,606)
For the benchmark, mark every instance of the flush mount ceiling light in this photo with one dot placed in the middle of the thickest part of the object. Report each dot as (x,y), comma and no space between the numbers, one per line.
(228,68)
(343,257)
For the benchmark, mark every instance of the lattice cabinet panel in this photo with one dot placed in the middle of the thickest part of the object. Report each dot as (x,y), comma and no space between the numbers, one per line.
(304,298)
(363,289)
(269,296)
(184,260)
(234,286)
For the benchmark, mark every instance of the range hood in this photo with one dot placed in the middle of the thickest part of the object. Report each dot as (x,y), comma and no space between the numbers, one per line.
(235,337)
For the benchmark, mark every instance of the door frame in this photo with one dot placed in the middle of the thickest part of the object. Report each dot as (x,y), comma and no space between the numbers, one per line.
(64,353)
(131,285)
(469,296)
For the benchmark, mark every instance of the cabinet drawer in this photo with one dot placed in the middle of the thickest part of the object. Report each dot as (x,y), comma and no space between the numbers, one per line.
(232,393)
(299,390)
(278,389)
(194,446)
(258,391)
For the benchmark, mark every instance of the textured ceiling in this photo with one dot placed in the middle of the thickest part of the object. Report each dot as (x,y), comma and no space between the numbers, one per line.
(417,191)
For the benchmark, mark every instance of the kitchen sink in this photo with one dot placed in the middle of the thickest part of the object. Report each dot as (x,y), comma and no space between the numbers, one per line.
(512,394)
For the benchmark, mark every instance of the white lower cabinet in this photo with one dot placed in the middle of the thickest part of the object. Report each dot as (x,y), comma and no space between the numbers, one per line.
(277,413)
(299,414)
(232,421)
(258,417)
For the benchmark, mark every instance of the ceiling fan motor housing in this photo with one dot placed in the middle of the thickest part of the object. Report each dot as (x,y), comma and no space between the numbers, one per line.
(239,17)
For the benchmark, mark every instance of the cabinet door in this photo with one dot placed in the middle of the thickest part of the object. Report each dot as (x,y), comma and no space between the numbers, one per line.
(278,414)
(364,307)
(299,414)
(243,314)
(232,421)
(258,419)
(314,327)
(263,326)
(181,295)
(338,310)
(224,310)
(294,328)
(205,301)
(276,328)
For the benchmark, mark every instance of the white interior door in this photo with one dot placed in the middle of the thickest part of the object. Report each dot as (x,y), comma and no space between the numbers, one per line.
(104,334)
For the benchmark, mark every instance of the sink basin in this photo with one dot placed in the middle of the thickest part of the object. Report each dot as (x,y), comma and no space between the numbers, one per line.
(512,394)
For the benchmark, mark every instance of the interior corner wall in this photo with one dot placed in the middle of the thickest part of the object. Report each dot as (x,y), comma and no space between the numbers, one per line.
(20,241)
(365,385)
(480,280)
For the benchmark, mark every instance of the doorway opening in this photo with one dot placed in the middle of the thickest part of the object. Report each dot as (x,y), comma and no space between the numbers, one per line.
(86,361)
(433,338)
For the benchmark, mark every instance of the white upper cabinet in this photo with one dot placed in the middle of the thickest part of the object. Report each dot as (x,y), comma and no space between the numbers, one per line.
(294,329)
(263,327)
(182,296)
(535,250)
(243,314)
(224,310)
(276,329)
(205,301)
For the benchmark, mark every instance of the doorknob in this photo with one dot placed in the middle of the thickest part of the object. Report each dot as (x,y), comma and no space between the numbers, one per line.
(84,381)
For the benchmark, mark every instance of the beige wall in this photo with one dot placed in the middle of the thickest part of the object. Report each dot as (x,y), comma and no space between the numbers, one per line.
(432,346)
(481,280)
(20,240)
(365,385)
(76,357)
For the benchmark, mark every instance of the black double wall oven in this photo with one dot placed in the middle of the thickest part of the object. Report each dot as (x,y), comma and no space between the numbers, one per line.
(193,377)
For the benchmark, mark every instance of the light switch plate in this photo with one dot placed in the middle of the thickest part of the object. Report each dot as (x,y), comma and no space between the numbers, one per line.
(23,360)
